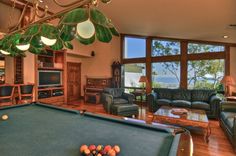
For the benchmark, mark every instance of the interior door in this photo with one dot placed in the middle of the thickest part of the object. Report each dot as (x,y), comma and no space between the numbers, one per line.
(73,81)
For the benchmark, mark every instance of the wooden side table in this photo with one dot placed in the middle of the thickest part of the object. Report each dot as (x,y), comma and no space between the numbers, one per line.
(139,93)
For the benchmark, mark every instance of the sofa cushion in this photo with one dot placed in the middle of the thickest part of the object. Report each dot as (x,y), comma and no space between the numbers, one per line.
(181,103)
(163,93)
(202,95)
(163,102)
(228,118)
(117,101)
(181,94)
(200,105)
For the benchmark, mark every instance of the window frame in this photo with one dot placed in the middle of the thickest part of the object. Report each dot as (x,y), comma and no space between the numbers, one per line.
(184,57)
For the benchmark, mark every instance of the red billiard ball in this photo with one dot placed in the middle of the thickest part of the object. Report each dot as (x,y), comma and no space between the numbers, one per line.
(83,148)
(107,148)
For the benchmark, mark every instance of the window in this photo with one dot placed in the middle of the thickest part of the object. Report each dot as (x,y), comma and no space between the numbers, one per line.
(194,48)
(205,74)
(134,47)
(166,75)
(133,73)
(165,48)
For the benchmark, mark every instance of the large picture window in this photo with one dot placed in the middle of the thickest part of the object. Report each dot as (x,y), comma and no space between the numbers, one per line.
(134,47)
(165,48)
(166,75)
(205,74)
(132,74)
(173,63)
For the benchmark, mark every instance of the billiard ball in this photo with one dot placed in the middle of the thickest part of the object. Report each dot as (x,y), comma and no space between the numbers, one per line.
(99,147)
(4,117)
(92,147)
(107,148)
(83,148)
(111,152)
(116,148)
(87,151)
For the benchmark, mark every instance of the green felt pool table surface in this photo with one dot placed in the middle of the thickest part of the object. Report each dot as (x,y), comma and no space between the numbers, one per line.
(42,130)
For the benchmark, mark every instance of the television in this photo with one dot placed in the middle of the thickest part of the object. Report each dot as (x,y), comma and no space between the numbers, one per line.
(49,78)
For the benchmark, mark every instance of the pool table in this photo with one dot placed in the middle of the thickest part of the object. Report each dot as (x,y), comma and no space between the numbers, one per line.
(44,130)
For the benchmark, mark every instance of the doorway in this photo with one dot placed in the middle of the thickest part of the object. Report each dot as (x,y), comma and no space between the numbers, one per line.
(73,81)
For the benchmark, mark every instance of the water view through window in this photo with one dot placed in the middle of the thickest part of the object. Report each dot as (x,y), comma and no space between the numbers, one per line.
(166,75)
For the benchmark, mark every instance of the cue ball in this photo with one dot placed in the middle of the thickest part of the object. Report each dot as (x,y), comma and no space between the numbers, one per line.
(4,117)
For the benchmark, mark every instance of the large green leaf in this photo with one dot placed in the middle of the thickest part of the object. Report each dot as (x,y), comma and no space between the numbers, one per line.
(103,34)
(86,41)
(75,16)
(58,45)
(35,50)
(33,30)
(68,45)
(98,17)
(114,31)
(36,42)
(49,31)
(67,33)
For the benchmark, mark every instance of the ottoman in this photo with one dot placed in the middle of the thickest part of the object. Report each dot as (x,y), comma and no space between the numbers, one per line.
(125,109)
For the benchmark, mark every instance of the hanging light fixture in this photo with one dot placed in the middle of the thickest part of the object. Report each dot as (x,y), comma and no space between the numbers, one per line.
(76,21)
(85,29)
(23,47)
(47,41)
(4,52)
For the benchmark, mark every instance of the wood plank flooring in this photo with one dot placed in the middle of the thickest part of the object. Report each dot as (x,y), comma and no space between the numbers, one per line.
(218,144)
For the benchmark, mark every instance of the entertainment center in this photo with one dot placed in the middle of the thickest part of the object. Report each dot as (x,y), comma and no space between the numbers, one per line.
(50,77)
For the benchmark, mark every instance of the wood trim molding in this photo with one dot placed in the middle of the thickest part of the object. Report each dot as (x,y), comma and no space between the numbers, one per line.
(184,65)
(148,65)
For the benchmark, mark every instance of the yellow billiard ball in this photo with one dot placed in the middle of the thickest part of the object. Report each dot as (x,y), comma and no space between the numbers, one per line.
(4,117)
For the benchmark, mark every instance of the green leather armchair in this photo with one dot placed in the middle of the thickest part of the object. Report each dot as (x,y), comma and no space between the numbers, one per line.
(113,98)
(227,120)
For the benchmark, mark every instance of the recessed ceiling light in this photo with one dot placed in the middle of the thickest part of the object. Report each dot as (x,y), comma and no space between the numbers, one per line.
(225,36)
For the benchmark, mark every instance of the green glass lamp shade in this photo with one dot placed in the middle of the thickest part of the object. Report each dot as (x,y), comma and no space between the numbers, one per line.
(86,29)
(4,52)
(23,47)
(47,41)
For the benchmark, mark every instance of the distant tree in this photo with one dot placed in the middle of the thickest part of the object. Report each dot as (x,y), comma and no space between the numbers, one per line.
(201,73)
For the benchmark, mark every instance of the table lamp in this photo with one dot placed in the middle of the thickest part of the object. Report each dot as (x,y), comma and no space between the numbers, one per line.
(143,80)
(227,81)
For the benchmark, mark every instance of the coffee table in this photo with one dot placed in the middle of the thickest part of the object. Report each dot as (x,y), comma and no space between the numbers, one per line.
(194,118)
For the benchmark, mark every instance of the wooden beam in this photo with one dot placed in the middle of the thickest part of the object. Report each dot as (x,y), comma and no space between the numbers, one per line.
(149,65)
(184,65)
(227,60)
(206,56)
(135,60)
(169,58)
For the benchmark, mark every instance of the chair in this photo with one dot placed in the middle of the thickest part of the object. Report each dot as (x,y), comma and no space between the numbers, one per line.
(228,120)
(117,102)
(6,94)
(25,93)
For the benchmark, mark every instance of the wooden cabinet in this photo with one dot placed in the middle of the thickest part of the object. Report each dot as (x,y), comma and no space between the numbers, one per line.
(19,66)
(52,61)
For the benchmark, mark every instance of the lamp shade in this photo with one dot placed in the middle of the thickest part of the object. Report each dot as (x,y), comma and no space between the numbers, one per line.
(23,47)
(4,52)
(227,80)
(47,41)
(86,29)
(143,79)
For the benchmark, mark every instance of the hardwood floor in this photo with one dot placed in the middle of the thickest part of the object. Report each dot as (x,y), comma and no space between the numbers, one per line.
(218,144)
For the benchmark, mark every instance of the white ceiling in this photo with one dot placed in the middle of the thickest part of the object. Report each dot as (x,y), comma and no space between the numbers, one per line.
(185,19)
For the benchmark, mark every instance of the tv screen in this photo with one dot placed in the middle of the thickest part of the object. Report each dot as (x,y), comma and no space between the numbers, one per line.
(49,78)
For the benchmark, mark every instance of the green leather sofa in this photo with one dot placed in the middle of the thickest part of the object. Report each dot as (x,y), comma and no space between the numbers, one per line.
(117,102)
(196,99)
(228,120)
